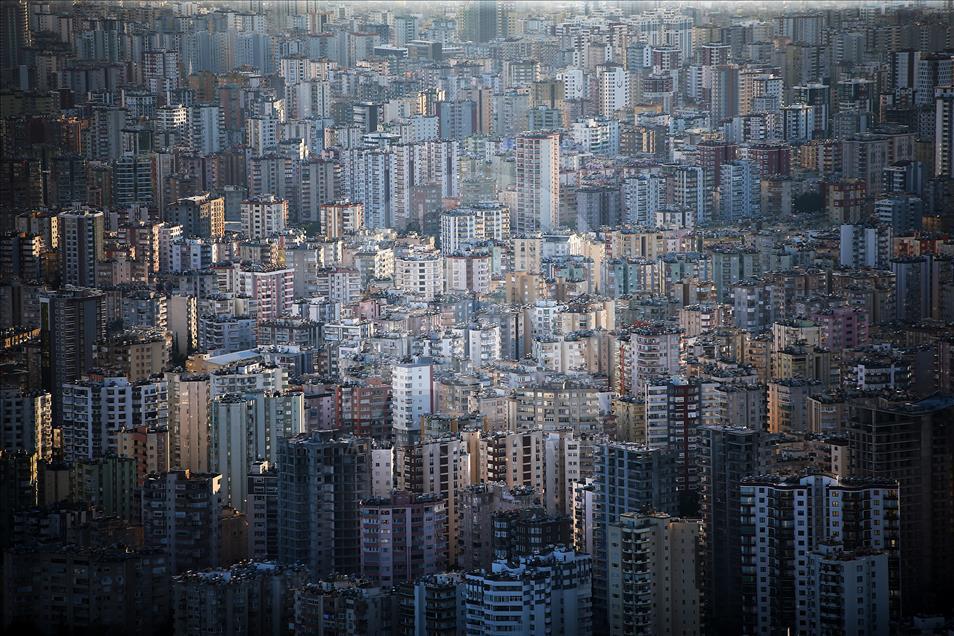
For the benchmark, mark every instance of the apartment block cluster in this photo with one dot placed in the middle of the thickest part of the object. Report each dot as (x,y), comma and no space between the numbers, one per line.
(478,317)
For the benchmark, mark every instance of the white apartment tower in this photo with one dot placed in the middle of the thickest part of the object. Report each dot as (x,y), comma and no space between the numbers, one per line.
(653,351)
(160,70)
(484,221)
(412,389)
(207,126)
(458,227)
(834,605)
(271,291)
(739,190)
(542,594)
(405,29)
(538,182)
(420,273)
(613,86)
(246,429)
(264,216)
(641,196)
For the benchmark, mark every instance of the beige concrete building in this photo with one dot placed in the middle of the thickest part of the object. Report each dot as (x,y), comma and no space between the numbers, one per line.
(136,353)
(653,565)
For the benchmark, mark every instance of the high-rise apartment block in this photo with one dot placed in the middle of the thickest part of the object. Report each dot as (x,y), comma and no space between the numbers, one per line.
(262,511)
(200,215)
(98,583)
(653,564)
(246,428)
(264,217)
(926,546)
(628,478)
(247,598)
(180,515)
(27,422)
(538,183)
(403,537)
(944,132)
(728,455)
(71,322)
(788,521)
(321,482)
(412,389)
(81,246)
(558,581)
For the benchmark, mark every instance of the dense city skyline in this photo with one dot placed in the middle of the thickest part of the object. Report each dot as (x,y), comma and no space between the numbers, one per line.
(478,317)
